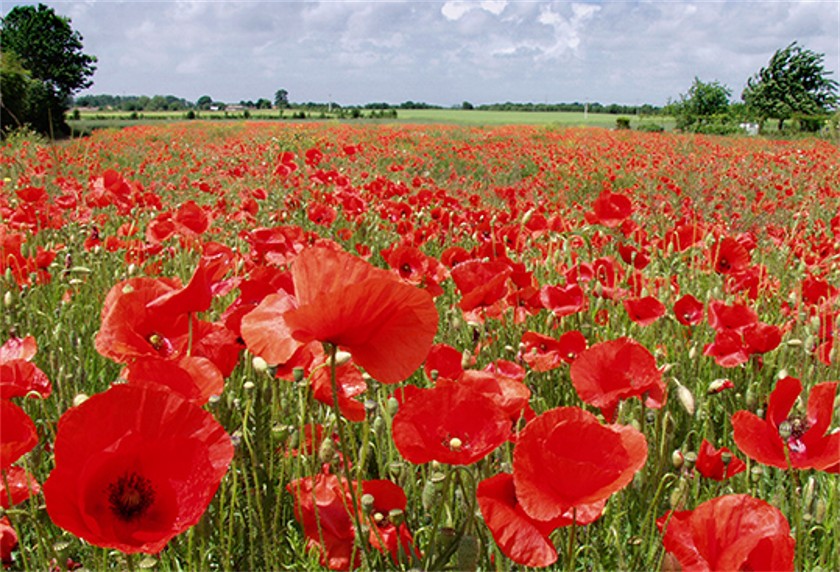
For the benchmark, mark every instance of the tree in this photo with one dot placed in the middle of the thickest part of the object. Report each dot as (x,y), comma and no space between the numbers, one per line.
(204,102)
(702,105)
(795,82)
(281,99)
(47,47)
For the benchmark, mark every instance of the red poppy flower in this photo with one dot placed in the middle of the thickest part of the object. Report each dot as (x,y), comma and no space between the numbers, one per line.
(130,329)
(783,434)
(566,458)
(544,353)
(18,375)
(728,349)
(711,464)
(196,296)
(644,311)
(321,507)
(16,485)
(610,209)
(521,538)
(416,268)
(735,317)
(134,467)
(386,325)
(18,431)
(729,256)
(8,540)
(689,310)
(481,283)
(350,384)
(732,532)
(761,338)
(451,423)
(614,370)
(195,378)
(443,361)
(388,532)
(563,300)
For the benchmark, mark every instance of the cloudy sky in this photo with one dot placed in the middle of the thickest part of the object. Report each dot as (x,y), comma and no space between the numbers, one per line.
(355,52)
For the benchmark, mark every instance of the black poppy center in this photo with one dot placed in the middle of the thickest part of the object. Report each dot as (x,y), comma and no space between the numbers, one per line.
(130,496)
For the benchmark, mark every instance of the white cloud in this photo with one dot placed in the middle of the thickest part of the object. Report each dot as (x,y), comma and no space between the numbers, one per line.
(439,51)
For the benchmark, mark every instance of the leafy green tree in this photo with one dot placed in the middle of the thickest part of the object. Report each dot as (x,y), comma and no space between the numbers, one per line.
(50,51)
(281,99)
(794,83)
(704,104)
(204,102)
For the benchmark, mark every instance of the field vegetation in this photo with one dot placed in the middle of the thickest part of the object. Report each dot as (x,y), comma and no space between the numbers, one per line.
(289,345)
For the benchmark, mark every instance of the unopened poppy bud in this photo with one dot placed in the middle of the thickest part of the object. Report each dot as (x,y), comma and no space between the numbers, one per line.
(298,374)
(690,459)
(396,470)
(750,399)
(468,552)
(783,373)
(677,459)
(326,452)
(391,406)
(259,364)
(341,358)
(719,385)
(755,473)
(677,497)
(819,511)
(466,359)
(431,494)
(692,352)
(367,503)
(132,269)
(378,424)
(7,298)
(795,342)
(248,385)
(79,399)
(396,516)
(686,398)
(147,563)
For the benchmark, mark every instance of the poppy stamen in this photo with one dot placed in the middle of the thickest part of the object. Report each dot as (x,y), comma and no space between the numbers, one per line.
(156,340)
(130,496)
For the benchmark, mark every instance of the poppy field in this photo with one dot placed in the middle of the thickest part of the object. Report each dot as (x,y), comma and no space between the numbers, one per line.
(262,346)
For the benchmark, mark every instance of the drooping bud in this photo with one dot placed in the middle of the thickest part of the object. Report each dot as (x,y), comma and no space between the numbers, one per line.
(677,459)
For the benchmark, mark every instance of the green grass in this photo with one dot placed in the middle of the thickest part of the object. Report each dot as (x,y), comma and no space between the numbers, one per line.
(103,119)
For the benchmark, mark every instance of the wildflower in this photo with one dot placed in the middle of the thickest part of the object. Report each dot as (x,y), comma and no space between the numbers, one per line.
(784,436)
(134,467)
(732,532)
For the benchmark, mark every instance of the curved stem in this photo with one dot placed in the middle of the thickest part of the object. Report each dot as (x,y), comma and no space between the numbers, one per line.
(342,445)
